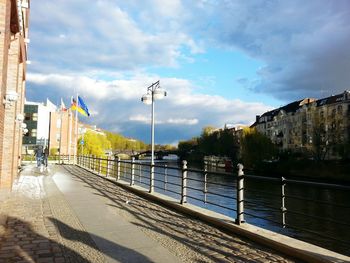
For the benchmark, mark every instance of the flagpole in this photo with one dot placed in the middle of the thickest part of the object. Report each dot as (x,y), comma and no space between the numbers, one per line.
(76,131)
(60,145)
(70,134)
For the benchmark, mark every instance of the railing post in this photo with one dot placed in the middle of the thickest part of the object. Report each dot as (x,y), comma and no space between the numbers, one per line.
(205,185)
(140,172)
(107,167)
(283,207)
(132,181)
(184,183)
(165,177)
(118,168)
(99,166)
(151,179)
(240,195)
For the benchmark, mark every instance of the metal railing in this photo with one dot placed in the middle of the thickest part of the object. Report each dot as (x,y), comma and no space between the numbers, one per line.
(59,159)
(239,197)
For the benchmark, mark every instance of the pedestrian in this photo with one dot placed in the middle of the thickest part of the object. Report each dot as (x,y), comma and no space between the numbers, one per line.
(38,153)
(46,155)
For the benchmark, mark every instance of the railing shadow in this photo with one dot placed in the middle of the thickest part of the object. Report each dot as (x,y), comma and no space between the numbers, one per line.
(198,236)
(115,251)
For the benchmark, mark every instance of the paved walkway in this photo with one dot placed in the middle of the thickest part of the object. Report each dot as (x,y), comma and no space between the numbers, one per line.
(67,214)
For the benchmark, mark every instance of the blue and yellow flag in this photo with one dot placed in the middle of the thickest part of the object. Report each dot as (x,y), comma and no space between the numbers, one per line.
(80,107)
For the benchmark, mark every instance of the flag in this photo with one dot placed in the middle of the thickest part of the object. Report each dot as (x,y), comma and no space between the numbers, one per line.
(63,107)
(80,106)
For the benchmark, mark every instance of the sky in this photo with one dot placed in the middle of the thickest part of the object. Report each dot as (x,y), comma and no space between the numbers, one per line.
(221,62)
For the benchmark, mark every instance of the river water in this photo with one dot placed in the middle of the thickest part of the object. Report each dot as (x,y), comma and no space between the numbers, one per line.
(315,214)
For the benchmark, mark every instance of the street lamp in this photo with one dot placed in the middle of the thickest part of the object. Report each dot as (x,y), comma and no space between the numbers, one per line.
(154,92)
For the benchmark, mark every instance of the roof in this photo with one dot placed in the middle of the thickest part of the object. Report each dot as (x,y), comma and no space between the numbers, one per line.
(331,100)
(291,107)
(295,105)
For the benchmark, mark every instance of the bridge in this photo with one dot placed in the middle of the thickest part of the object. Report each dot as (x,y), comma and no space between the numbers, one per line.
(158,154)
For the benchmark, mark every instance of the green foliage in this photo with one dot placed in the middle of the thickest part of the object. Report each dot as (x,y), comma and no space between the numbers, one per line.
(218,143)
(257,148)
(211,142)
(119,142)
(187,148)
(53,151)
(94,144)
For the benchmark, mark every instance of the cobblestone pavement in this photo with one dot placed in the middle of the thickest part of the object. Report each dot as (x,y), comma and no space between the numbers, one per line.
(188,238)
(27,229)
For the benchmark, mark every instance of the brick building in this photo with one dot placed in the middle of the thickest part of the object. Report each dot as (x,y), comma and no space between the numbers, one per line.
(14,16)
(62,131)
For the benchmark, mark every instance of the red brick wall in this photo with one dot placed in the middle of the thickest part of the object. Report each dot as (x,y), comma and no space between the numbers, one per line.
(66,123)
(7,172)
(5,15)
(12,76)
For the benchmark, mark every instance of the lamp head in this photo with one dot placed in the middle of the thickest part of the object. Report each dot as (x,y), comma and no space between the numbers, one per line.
(147,99)
(159,94)
(10,97)
(19,117)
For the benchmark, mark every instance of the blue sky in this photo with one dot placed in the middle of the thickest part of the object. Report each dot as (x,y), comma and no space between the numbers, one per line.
(220,61)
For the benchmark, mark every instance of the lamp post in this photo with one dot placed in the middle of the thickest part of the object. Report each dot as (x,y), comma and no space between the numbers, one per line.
(154,92)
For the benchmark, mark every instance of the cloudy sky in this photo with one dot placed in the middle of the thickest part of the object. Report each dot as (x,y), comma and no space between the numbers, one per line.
(221,62)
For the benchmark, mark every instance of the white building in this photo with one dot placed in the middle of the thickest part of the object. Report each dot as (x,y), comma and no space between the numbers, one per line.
(37,119)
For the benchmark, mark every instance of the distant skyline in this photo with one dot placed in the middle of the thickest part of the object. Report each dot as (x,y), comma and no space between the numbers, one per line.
(221,62)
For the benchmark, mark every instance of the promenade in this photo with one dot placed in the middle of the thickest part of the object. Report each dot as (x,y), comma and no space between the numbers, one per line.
(66,214)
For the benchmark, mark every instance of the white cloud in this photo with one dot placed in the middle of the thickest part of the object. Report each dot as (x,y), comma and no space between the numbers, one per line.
(183,121)
(102,34)
(118,105)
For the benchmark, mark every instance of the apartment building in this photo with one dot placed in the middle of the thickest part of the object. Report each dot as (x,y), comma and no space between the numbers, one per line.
(14,16)
(37,121)
(297,125)
(48,126)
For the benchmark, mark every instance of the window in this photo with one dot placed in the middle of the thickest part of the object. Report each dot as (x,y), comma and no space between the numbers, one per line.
(340,109)
(33,133)
(322,114)
(58,137)
(35,116)
(28,116)
(58,124)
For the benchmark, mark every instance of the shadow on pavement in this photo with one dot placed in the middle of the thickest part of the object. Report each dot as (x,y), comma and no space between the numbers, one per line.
(20,242)
(198,236)
(115,251)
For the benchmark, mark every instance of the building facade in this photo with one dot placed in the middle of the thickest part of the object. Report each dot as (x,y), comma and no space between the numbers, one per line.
(63,136)
(309,125)
(50,127)
(14,17)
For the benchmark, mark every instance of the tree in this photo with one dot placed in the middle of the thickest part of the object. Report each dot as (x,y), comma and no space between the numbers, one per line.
(256,148)
(119,142)
(187,148)
(94,144)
